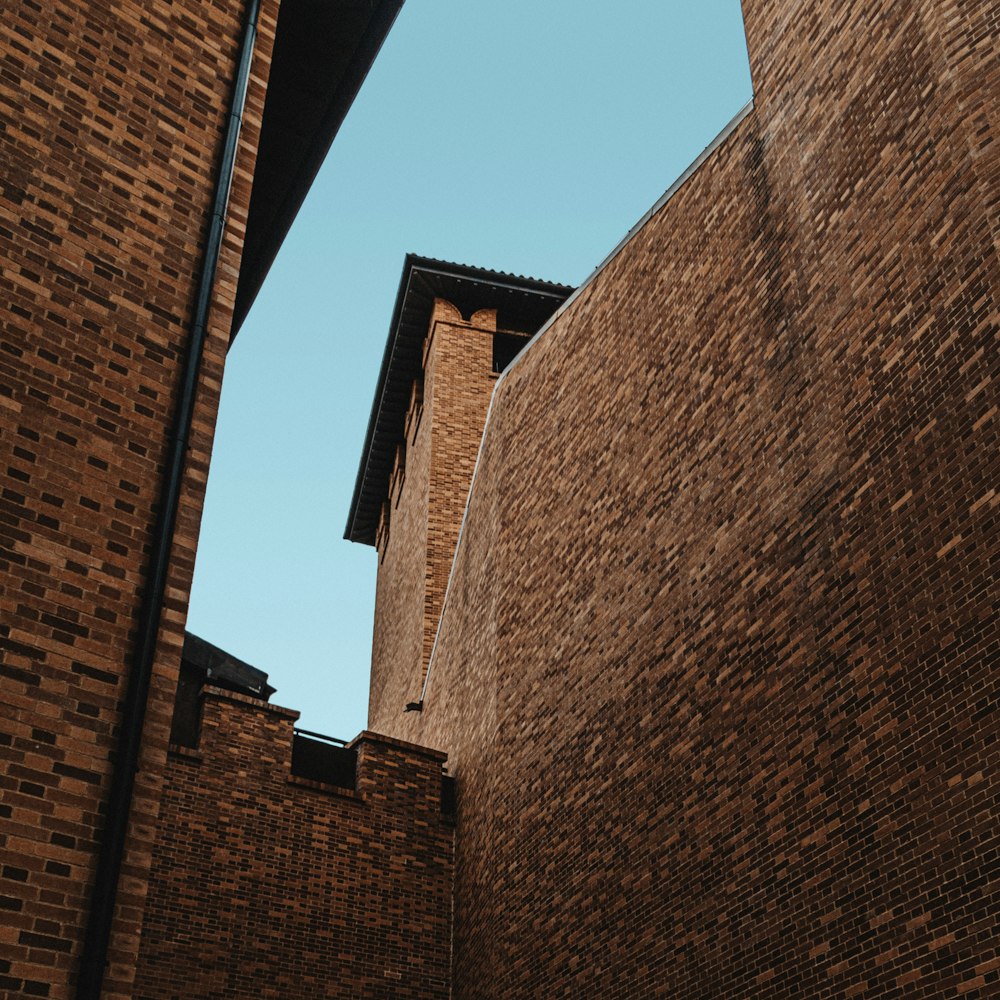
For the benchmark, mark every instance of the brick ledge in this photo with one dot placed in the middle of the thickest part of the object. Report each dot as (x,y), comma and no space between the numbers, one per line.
(367,736)
(325,787)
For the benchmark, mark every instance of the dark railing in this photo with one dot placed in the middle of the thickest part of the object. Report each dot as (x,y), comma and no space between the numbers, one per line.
(321,736)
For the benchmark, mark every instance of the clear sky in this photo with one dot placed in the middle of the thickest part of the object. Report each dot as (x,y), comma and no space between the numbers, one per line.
(521,135)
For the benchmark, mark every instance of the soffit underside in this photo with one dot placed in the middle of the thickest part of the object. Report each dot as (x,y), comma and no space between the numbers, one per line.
(322,52)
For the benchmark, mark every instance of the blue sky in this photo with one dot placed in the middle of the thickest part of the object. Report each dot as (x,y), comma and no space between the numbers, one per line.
(522,136)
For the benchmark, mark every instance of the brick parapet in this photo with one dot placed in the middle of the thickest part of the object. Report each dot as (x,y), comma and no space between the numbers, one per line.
(262,878)
(212,693)
(380,740)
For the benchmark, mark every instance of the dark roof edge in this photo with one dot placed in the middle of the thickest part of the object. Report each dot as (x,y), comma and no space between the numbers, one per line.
(383,378)
(223,668)
(431,265)
(364,57)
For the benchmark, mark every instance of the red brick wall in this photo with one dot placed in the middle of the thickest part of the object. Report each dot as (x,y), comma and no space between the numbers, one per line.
(110,134)
(425,513)
(267,885)
(461,356)
(731,730)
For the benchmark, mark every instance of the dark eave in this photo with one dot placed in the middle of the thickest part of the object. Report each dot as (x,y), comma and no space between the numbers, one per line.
(522,304)
(322,52)
(222,669)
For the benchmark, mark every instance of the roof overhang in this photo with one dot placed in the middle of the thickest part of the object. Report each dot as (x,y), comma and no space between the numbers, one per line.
(522,304)
(222,669)
(323,50)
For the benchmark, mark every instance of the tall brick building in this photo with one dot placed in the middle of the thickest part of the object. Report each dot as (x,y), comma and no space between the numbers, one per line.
(698,597)
(152,157)
(716,668)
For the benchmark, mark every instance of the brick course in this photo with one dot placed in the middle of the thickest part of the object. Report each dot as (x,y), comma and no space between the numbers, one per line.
(731,728)
(717,669)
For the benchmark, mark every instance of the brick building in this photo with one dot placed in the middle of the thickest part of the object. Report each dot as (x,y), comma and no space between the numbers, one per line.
(292,865)
(152,157)
(716,665)
(698,597)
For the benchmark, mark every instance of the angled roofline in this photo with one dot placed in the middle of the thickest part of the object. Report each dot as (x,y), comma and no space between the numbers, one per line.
(397,368)
(223,669)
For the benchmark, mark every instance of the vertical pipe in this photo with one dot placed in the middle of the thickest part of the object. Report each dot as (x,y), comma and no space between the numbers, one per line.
(90,977)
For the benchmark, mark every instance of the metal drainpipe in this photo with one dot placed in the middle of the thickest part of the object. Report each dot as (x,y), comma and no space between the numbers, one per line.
(97,939)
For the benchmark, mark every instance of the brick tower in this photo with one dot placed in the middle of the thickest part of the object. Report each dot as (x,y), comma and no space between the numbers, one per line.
(454,330)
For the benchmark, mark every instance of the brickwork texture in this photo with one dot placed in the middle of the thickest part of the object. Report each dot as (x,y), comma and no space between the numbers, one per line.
(264,884)
(111,122)
(425,509)
(717,672)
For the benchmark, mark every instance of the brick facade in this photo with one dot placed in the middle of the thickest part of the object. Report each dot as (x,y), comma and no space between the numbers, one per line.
(112,123)
(268,884)
(717,668)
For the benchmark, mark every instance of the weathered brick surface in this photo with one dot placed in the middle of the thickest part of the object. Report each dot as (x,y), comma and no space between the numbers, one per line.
(717,673)
(267,885)
(111,117)
(425,512)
